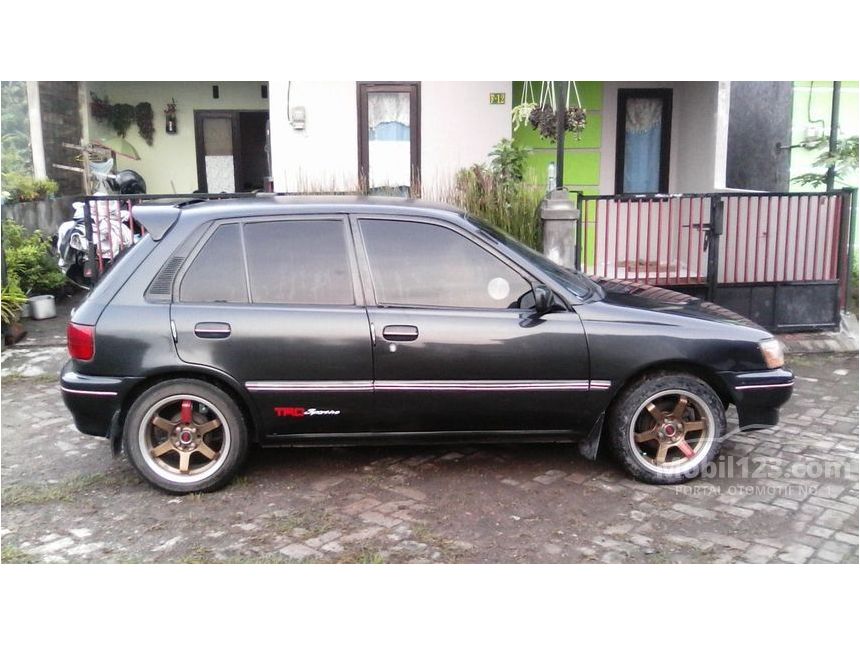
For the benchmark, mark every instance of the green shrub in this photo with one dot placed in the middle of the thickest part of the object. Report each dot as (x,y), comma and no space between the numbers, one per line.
(508,161)
(29,262)
(510,206)
(23,188)
(500,194)
(12,299)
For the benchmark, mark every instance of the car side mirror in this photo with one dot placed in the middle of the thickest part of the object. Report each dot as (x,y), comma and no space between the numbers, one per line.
(544,299)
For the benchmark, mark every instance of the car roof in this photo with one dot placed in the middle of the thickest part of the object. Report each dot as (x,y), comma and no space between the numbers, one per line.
(304,204)
(158,216)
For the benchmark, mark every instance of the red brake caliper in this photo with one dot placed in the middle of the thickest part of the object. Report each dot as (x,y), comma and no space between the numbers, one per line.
(684,447)
(185,416)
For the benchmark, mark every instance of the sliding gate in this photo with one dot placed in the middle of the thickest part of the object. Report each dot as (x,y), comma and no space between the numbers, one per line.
(780,259)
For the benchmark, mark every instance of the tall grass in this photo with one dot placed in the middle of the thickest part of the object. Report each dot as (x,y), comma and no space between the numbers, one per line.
(508,205)
(505,203)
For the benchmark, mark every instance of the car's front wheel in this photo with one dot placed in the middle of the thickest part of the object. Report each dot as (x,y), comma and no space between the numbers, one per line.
(185,436)
(665,428)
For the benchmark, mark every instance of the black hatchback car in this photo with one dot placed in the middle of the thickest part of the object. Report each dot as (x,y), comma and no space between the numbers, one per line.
(326,321)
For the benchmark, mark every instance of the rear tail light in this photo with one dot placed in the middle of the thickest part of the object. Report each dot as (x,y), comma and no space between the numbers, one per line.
(81,341)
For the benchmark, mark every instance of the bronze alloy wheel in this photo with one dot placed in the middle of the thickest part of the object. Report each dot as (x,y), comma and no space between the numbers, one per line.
(671,432)
(184,438)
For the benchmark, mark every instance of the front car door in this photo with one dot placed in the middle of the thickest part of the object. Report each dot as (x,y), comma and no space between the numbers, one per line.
(457,344)
(276,304)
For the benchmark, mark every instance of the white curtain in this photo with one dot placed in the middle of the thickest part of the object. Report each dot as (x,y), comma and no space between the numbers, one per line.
(389,141)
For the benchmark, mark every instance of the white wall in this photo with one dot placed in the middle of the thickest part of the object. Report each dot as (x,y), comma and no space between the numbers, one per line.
(323,156)
(172,157)
(458,129)
(697,153)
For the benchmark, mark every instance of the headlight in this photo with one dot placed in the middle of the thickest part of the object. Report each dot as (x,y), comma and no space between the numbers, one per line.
(771,351)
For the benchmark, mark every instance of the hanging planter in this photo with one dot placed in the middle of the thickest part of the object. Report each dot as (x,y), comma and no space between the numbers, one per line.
(520,114)
(542,116)
(121,116)
(143,115)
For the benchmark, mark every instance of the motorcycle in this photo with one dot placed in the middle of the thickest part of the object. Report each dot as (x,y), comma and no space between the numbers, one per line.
(113,230)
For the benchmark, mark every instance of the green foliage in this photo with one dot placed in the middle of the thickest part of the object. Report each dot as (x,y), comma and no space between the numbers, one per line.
(24,188)
(144,116)
(508,161)
(15,126)
(28,260)
(844,161)
(12,299)
(120,116)
(510,206)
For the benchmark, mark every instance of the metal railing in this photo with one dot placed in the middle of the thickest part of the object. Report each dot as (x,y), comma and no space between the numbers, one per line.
(719,238)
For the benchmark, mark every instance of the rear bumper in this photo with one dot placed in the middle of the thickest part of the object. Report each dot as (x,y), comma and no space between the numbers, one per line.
(759,395)
(94,401)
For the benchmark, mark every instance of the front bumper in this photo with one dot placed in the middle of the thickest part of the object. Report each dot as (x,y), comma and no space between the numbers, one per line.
(759,395)
(94,401)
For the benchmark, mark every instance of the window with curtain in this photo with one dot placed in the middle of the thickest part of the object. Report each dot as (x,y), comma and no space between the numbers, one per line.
(643,140)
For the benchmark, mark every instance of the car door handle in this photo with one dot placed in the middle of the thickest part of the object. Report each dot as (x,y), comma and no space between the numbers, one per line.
(400,332)
(212,330)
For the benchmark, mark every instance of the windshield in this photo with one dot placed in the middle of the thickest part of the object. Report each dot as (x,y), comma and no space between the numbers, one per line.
(576,281)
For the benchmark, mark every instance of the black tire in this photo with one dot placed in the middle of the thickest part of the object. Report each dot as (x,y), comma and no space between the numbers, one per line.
(657,396)
(228,440)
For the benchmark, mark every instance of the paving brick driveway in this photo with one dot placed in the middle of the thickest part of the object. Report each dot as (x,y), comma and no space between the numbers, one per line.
(792,497)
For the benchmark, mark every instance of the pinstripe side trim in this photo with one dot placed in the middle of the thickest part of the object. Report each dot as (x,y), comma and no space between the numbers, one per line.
(90,392)
(391,386)
(309,386)
(481,386)
(763,386)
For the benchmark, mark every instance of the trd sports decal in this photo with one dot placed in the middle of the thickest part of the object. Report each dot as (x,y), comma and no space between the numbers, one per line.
(298,413)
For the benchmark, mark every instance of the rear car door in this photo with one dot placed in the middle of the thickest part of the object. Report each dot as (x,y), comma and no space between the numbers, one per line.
(457,344)
(276,304)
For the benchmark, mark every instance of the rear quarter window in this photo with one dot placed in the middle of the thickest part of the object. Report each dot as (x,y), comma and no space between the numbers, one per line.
(299,262)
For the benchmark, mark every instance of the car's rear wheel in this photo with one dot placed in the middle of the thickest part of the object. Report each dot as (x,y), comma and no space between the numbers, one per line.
(665,428)
(185,436)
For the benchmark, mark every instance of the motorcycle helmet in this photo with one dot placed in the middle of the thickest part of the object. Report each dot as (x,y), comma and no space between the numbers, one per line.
(128,182)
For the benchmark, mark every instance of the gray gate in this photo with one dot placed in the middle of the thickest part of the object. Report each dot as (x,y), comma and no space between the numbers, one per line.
(781,259)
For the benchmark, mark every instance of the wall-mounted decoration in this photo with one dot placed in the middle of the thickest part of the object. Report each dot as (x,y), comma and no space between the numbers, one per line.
(120,116)
(143,115)
(170,125)
(497,98)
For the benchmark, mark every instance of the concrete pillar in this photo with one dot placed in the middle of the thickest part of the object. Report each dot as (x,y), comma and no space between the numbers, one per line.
(559,218)
(37,143)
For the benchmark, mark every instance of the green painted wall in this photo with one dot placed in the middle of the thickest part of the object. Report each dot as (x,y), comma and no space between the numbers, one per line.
(581,156)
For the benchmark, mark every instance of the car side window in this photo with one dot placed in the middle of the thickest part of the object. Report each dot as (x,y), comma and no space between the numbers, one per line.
(413,263)
(217,273)
(299,262)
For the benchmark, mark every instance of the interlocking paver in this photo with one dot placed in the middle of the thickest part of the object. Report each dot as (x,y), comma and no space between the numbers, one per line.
(66,500)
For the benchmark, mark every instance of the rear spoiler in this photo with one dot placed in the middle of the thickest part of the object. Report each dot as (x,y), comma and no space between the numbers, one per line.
(158,216)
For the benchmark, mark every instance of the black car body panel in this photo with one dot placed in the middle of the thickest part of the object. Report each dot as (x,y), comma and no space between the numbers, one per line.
(367,371)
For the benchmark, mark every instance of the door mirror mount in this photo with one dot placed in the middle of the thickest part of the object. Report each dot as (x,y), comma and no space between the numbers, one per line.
(544,299)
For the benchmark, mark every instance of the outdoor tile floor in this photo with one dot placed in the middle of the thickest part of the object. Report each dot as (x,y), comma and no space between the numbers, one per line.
(784,495)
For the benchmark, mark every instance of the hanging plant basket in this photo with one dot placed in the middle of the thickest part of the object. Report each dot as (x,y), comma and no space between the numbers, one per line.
(143,115)
(542,115)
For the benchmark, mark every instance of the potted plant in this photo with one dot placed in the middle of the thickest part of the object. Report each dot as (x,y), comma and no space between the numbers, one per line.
(12,301)
(30,264)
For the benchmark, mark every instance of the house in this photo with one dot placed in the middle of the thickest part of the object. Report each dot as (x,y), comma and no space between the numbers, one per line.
(683,184)
(334,135)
